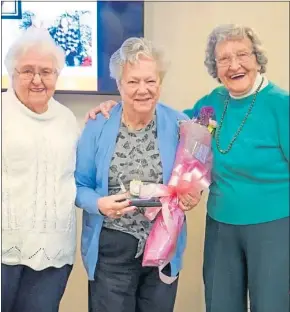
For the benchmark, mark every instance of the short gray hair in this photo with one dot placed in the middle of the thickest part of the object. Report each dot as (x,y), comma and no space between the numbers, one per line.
(230,32)
(38,38)
(130,51)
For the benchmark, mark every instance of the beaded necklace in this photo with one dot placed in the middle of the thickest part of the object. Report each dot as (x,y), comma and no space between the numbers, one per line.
(218,130)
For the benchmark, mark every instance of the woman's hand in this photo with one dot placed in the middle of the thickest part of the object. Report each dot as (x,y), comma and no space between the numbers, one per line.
(104,108)
(189,201)
(115,206)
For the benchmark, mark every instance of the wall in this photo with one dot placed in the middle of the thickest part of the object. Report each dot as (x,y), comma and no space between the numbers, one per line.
(182,29)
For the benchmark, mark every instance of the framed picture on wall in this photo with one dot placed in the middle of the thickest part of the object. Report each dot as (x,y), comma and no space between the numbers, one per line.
(11,9)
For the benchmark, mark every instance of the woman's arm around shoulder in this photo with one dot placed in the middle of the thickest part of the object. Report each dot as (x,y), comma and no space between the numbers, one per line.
(207,100)
(193,112)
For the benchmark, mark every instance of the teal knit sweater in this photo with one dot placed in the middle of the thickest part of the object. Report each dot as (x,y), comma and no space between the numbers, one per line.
(250,183)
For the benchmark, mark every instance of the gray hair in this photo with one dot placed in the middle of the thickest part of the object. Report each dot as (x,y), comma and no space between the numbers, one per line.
(38,38)
(230,32)
(130,51)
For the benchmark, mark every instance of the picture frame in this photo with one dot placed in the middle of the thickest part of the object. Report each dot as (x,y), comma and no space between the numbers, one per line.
(11,9)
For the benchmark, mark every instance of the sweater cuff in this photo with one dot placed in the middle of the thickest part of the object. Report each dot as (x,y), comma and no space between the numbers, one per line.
(88,200)
(93,203)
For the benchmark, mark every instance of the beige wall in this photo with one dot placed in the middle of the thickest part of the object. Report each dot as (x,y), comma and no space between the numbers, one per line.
(182,29)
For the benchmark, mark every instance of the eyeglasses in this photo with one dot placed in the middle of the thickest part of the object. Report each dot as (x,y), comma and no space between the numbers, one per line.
(240,57)
(29,74)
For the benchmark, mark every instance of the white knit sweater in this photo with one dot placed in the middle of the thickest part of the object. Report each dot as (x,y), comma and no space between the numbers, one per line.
(38,186)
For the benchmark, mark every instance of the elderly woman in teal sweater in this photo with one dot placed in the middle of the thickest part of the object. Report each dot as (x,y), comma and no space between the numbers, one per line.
(247,226)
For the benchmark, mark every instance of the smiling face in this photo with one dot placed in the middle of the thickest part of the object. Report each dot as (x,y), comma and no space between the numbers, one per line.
(140,86)
(237,66)
(35,92)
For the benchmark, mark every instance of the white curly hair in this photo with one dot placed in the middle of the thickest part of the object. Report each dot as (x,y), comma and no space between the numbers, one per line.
(39,39)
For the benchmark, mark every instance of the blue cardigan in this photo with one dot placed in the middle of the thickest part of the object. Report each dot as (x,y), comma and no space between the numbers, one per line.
(94,153)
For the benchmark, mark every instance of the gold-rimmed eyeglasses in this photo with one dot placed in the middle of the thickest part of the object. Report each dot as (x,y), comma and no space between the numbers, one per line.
(29,74)
(240,57)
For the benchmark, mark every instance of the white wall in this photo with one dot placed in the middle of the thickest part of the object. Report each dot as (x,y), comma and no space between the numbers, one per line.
(182,29)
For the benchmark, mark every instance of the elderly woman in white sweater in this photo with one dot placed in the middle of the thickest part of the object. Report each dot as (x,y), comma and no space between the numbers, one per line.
(38,163)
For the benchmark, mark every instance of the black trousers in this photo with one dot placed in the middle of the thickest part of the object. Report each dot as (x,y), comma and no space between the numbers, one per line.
(121,283)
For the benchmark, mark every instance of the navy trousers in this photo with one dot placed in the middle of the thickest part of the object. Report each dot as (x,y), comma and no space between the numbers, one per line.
(241,258)
(26,290)
(121,283)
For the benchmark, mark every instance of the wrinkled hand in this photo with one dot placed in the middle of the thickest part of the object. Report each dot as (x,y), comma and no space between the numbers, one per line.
(189,201)
(103,108)
(110,207)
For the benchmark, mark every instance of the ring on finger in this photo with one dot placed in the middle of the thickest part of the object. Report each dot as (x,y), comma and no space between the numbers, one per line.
(118,213)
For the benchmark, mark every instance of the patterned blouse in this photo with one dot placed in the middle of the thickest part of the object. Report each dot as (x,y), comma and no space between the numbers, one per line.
(136,157)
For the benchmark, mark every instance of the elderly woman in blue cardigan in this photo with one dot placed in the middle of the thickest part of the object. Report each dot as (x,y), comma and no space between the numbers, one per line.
(138,143)
(247,226)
